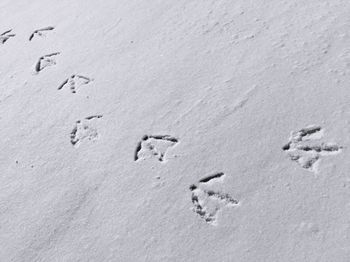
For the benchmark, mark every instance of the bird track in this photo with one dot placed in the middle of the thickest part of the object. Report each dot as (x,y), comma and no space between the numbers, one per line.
(45,61)
(85,130)
(305,147)
(154,146)
(40,32)
(6,36)
(75,82)
(207,203)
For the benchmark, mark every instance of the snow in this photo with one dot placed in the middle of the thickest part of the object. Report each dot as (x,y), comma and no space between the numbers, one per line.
(158,131)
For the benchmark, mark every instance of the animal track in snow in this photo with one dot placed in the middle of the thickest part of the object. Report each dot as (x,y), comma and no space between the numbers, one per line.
(40,32)
(154,146)
(45,61)
(6,36)
(74,82)
(305,149)
(207,203)
(85,130)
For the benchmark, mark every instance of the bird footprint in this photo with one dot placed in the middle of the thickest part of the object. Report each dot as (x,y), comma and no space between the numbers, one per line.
(6,36)
(154,146)
(207,203)
(40,32)
(85,130)
(74,82)
(45,61)
(305,147)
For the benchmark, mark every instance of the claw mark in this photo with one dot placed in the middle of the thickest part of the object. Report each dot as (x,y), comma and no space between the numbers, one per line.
(85,129)
(6,36)
(208,203)
(75,81)
(40,32)
(45,61)
(303,149)
(154,146)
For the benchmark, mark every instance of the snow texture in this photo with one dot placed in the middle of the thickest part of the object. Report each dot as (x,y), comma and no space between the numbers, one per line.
(175,131)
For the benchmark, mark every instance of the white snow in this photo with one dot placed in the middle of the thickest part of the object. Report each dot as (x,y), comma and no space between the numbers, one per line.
(123,121)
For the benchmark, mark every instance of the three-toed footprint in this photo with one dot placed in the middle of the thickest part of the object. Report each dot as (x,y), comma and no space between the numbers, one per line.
(306,148)
(207,203)
(74,82)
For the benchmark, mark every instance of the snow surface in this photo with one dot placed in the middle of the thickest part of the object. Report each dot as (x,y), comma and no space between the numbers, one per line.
(175,130)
